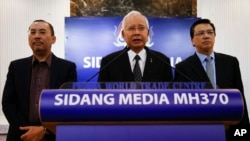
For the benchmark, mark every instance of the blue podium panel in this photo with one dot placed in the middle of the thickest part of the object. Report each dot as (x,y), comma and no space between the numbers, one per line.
(120,114)
(209,132)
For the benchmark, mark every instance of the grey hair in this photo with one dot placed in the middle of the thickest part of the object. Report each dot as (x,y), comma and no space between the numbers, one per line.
(133,12)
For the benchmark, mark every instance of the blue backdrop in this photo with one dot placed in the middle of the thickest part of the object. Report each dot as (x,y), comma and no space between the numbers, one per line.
(88,39)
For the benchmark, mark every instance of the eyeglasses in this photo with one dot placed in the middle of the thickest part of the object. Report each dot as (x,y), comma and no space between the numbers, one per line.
(133,29)
(202,33)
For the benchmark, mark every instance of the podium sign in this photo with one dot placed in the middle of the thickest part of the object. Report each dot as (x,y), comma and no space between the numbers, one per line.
(136,114)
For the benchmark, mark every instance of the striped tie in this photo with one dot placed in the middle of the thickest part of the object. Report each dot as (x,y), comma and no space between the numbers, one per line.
(210,70)
(137,70)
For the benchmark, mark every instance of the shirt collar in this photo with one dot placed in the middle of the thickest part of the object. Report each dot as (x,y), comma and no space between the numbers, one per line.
(47,61)
(202,57)
(142,55)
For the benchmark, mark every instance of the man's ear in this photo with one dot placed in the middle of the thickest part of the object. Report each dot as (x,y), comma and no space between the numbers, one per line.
(53,39)
(193,43)
(122,33)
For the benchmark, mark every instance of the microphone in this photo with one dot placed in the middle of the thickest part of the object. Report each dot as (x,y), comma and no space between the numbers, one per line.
(108,64)
(182,74)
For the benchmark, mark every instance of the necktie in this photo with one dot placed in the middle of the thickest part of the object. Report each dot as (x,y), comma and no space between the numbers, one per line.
(210,70)
(137,70)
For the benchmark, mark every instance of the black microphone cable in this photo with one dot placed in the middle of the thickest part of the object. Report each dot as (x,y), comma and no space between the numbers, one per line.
(182,74)
(109,63)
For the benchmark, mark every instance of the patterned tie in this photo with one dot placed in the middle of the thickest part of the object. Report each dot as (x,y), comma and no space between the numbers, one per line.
(210,70)
(137,70)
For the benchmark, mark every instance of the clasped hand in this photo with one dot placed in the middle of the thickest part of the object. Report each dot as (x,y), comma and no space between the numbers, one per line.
(34,133)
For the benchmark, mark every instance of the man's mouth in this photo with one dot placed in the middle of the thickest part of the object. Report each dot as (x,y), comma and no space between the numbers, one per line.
(136,40)
(37,43)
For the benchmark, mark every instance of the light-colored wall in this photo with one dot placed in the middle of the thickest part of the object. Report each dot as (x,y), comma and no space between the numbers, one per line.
(232,21)
(231,18)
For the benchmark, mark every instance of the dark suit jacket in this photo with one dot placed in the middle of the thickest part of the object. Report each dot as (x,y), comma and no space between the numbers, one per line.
(228,75)
(157,68)
(16,94)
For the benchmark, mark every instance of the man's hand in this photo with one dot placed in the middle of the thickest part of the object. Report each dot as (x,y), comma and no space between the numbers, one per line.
(34,133)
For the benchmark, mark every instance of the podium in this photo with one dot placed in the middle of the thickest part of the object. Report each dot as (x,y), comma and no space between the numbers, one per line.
(119,113)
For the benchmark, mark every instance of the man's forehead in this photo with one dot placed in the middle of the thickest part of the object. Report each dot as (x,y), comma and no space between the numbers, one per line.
(39,25)
(203,25)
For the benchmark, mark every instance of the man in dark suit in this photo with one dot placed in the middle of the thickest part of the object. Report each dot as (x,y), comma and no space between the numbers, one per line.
(227,71)
(25,80)
(119,66)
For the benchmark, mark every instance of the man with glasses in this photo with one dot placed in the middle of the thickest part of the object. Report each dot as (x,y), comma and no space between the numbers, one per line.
(225,68)
(121,66)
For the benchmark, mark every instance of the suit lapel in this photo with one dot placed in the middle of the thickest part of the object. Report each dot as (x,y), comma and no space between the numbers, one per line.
(219,67)
(26,74)
(148,66)
(126,67)
(53,73)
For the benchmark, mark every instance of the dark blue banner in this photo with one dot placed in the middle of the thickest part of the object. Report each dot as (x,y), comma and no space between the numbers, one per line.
(140,105)
(88,39)
(193,132)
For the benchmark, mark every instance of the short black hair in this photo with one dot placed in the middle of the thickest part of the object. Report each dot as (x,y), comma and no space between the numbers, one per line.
(200,21)
(50,26)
